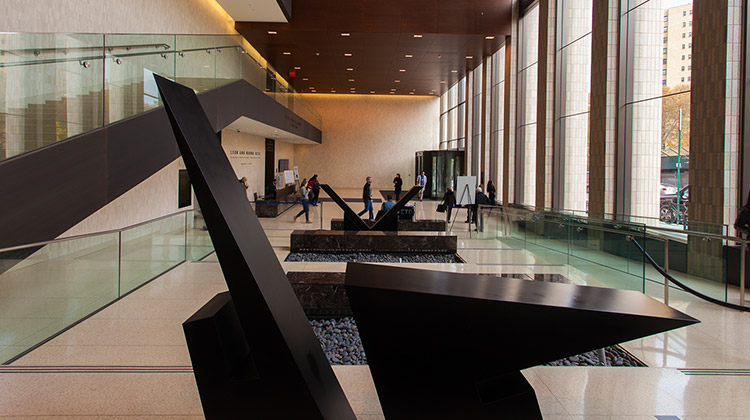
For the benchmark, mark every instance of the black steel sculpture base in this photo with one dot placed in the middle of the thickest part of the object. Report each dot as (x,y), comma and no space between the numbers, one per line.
(469,336)
(389,221)
(254,356)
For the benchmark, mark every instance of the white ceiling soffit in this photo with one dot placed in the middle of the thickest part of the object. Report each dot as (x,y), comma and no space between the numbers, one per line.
(254,10)
(248,126)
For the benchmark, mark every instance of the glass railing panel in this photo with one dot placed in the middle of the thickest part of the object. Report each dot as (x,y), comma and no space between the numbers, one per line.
(551,237)
(199,243)
(151,249)
(253,72)
(229,58)
(700,263)
(131,62)
(195,64)
(52,89)
(44,290)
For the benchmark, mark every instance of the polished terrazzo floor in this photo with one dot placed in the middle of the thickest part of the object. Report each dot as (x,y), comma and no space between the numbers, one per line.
(130,360)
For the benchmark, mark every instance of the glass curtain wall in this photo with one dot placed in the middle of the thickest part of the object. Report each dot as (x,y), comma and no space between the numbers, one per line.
(573,102)
(657,41)
(453,117)
(497,122)
(477,122)
(528,57)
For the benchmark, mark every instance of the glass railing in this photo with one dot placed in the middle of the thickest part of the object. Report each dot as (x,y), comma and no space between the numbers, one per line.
(48,287)
(55,86)
(709,263)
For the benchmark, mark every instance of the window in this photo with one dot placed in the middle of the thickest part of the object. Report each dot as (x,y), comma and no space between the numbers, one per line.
(664,61)
(683,46)
(665,39)
(684,24)
(683,34)
(684,13)
(682,79)
(664,72)
(683,56)
(682,68)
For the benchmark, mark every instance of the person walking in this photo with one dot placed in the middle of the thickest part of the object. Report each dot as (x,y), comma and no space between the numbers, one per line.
(449,201)
(492,191)
(397,183)
(305,191)
(367,198)
(422,182)
(315,186)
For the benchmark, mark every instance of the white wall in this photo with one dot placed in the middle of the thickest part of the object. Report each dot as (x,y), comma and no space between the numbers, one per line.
(155,197)
(115,16)
(246,153)
(369,135)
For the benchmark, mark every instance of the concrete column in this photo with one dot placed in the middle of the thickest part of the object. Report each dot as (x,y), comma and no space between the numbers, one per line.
(545,103)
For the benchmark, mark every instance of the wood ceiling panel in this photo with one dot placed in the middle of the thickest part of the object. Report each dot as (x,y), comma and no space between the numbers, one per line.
(381,34)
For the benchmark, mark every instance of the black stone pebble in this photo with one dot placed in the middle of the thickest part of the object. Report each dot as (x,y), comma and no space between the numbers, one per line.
(340,341)
(370,257)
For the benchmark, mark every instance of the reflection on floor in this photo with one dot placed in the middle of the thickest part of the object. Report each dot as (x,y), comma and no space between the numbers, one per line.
(130,360)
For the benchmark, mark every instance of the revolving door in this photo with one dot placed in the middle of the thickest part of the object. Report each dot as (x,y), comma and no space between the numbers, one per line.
(442,168)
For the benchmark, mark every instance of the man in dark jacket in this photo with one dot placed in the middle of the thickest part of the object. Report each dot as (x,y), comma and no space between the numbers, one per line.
(480,199)
(367,198)
(449,200)
(397,183)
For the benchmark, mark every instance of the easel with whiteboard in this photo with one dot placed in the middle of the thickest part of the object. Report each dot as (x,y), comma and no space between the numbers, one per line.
(466,187)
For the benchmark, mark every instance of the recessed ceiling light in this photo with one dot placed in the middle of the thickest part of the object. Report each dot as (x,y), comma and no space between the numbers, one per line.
(408,56)
(490,37)
(347,54)
(272,32)
(469,57)
(454,71)
(442,81)
(297,68)
(349,69)
(304,79)
(411,93)
(311,88)
(417,35)
(345,34)
(333,90)
(372,91)
(397,81)
(402,70)
(392,93)
(287,53)
(351,80)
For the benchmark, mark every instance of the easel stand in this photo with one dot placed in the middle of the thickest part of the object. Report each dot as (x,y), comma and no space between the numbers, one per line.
(466,192)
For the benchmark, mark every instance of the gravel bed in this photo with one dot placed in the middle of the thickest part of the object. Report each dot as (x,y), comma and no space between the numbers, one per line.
(340,341)
(371,257)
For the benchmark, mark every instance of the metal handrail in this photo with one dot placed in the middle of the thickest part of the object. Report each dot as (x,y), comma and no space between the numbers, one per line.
(90,235)
(685,287)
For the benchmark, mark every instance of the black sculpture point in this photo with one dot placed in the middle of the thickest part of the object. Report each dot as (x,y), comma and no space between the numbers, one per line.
(389,221)
(468,336)
(254,354)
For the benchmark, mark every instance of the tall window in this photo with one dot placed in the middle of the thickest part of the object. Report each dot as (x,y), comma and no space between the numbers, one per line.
(452,117)
(655,109)
(527,106)
(573,101)
(497,121)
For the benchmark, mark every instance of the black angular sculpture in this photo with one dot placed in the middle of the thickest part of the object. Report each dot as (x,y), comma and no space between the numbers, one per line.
(468,336)
(254,354)
(389,221)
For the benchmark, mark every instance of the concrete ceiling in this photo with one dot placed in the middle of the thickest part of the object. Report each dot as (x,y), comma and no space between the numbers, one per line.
(248,126)
(254,10)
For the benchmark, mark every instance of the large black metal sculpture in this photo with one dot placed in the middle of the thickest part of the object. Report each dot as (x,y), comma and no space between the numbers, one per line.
(451,346)
(253,351)
(389,221)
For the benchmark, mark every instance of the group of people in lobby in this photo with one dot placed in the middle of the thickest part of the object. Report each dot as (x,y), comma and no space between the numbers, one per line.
(310,190)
